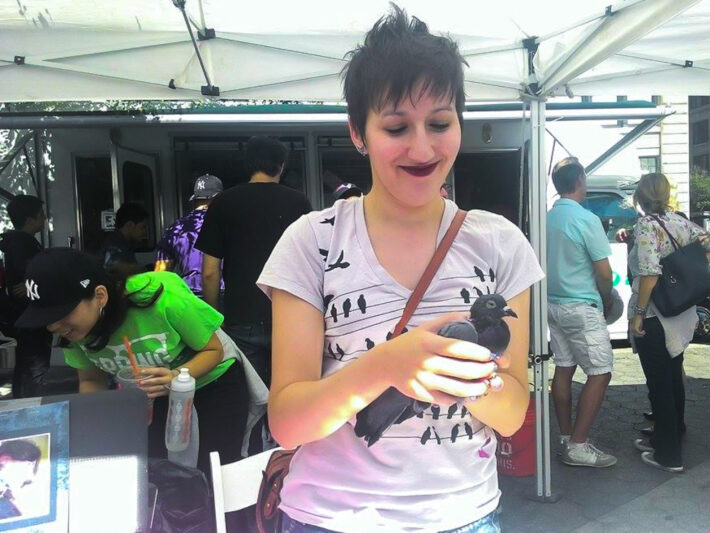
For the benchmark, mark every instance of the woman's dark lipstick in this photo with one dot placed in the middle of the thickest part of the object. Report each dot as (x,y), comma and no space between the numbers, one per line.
(420,170)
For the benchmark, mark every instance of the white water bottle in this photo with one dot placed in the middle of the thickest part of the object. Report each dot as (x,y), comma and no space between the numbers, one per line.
(177,427)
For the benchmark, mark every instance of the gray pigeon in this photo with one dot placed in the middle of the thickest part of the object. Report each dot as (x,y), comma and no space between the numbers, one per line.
(485,327)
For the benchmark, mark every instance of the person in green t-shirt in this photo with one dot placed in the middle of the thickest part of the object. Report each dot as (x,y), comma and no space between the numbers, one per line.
(168,328)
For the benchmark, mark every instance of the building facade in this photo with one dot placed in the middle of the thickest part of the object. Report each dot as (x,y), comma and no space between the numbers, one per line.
(699,109)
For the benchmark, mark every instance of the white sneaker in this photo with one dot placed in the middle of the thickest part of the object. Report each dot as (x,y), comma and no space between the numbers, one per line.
(564,441)
(586,455)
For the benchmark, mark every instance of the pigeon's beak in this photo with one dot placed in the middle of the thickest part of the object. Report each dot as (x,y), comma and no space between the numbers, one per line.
(509,312)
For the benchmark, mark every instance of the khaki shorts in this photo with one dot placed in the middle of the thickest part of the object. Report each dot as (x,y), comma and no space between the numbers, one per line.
(579,337)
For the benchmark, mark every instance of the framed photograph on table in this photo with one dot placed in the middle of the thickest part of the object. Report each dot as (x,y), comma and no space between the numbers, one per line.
(34,469)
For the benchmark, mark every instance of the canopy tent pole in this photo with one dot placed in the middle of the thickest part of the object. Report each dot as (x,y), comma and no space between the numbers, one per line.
(538,332)
(537,209)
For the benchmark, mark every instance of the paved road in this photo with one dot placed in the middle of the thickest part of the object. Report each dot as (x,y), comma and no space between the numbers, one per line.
(629,496)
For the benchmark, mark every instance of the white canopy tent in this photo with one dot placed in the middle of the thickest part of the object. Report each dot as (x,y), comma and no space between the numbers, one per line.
(94,50)
(274,50)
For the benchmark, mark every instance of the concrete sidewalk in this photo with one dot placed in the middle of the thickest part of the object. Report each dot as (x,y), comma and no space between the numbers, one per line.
(630,496)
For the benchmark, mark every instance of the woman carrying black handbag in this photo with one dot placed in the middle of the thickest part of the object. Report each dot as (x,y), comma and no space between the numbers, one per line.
(660,340)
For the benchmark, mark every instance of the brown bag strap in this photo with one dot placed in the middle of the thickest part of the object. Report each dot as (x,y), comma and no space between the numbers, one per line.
(431,269)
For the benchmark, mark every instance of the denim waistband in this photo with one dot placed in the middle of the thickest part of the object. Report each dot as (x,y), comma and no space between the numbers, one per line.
(487,524)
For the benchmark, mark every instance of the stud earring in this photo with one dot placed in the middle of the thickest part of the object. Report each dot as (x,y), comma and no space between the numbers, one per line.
(362,150)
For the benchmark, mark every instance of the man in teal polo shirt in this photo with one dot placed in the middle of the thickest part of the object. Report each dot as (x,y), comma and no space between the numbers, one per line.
(579,282)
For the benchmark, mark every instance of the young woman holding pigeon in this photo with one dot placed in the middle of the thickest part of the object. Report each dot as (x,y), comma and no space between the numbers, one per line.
(339,280)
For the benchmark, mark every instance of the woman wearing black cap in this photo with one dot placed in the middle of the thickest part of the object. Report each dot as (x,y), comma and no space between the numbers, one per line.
(168,328)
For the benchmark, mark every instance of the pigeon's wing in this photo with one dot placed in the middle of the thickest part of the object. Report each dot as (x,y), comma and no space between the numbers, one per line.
(393,407)
(495,338)
(463,330)
(384,411)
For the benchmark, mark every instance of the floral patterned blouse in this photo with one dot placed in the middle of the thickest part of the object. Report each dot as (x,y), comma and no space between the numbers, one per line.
(653,243)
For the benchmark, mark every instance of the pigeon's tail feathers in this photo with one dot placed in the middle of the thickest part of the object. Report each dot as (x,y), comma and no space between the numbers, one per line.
(371,427)
(381,414)
(419,407)
(415,409)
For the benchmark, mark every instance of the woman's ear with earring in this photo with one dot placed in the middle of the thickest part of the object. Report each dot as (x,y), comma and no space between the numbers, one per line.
(357,140)
(101,298)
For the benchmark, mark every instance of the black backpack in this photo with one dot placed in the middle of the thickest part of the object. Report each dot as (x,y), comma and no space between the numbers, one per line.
(184,500)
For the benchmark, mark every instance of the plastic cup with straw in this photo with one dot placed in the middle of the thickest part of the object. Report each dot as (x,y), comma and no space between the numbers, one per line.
(129,377)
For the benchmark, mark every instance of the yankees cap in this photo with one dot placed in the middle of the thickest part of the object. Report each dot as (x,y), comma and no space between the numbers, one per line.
(206,186)
(56,280)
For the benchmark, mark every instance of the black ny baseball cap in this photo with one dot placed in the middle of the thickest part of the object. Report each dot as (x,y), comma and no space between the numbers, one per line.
(206,186)
(56,280)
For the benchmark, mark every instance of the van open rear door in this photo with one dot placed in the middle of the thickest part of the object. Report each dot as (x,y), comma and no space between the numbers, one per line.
(135,179)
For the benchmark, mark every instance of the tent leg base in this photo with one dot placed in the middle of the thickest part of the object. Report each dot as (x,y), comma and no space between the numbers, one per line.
(553,497)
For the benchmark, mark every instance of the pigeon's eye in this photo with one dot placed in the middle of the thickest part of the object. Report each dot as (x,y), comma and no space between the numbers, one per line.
(490,304)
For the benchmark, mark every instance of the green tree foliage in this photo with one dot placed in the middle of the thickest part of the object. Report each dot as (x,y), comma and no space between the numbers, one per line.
(17,175)
(699,190)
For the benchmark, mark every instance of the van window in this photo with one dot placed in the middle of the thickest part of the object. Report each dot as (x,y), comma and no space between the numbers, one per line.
(340,163)
(138,188)
(613,210)
(224,158)
(94,197)
(490,181)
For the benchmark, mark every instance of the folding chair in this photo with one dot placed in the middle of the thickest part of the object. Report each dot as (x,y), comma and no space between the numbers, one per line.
(236,485)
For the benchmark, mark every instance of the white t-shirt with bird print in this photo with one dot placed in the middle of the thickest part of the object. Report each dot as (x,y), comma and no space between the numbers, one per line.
(435,471)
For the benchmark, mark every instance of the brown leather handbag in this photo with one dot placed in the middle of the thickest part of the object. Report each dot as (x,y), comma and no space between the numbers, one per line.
(268,514)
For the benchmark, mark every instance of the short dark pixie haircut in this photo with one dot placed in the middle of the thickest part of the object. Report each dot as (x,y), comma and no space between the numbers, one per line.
(399,53)
(566,175)
(22,207)
(131,212)
(265,154)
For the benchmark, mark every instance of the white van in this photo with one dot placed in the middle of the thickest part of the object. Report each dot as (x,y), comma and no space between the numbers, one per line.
(609,197)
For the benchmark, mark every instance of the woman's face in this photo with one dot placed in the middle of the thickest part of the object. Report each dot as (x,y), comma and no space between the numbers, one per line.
(79,323)
(412,147)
